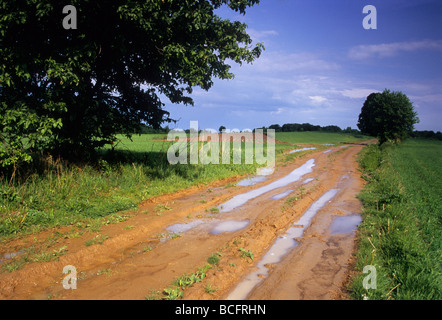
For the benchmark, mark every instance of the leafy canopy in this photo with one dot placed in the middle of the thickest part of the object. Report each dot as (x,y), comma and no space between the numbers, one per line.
(70,91)
(388,115)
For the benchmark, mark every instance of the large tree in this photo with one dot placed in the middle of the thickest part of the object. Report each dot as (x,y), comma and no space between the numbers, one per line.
(74,89)
(388,115)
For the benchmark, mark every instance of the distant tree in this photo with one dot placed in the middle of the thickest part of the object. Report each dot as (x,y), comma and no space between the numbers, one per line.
(331,128)
(388,116)
(72,90)
(221,128)
(427,134)
(276,127)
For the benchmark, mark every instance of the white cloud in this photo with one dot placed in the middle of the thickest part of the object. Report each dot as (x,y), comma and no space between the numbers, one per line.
(317,99)
(357,93)
(257,35)
(276,62)
(437,97)
(278,111)
(383,50)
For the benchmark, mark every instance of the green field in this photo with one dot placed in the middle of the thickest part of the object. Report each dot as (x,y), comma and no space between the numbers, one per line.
(51,192)
(401,233)
(318,137)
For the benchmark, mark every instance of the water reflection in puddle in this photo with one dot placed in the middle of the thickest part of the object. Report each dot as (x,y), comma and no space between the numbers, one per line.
(327,151)
(282,195)
(345,224)
(183,227)
(307,180)
(229,226)
(11,255)
(293,176)
(303,149)
(280,248)
(251,181)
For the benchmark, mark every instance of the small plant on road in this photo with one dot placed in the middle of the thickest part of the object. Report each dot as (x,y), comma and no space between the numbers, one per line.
(246,253)
(213,259)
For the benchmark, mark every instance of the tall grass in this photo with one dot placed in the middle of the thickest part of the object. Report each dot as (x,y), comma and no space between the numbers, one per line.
(401,230)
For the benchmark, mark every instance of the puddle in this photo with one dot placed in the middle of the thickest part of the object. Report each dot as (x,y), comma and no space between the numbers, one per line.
(229,226)
(183,227)
(241,199)
(303,149)
(280,248)
(327,151)
(251,181)
(265,171)
(11,255)
(318,204)
(345,224)
(328,144)
(261,174)
(282,195)
(307,180)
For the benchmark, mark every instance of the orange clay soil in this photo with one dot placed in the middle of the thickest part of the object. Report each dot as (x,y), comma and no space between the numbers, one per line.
(138,257)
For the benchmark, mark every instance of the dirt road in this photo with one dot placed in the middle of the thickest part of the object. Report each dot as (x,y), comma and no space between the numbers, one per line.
(296,224)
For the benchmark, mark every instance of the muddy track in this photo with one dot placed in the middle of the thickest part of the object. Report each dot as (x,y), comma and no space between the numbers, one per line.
(147,252)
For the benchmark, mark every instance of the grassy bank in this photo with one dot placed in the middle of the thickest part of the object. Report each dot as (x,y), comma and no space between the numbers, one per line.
(401,231)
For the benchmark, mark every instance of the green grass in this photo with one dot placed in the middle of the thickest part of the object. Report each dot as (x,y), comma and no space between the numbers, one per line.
(401,230)
(312,137)
(51,192)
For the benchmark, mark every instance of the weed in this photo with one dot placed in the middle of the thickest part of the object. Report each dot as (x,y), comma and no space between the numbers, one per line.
(154,295)
(98,239)
(49,255)
(189,279)
(214,210)
(174,235)
(107,272)
(209,289)
(173,293)
(162,207)
(246,253)
(214,259)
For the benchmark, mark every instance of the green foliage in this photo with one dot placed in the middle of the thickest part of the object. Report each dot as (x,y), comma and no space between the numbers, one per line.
(401,231)
(70,91)
(173,293)
(23,130)
(183,282)
(246,253)
(214,259)
(388,116)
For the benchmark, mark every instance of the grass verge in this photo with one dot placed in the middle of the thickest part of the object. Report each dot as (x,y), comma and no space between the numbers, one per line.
(401,230)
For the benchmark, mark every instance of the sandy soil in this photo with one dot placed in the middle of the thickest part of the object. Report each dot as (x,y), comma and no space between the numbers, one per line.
(137,258)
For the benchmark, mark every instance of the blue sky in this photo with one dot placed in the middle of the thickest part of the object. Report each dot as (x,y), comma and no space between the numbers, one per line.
(320,64)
